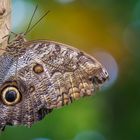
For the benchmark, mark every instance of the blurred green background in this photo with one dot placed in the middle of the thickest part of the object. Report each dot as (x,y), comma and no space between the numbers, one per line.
(108,30)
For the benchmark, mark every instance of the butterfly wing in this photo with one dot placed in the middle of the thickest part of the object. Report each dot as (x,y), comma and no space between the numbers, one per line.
(68,73)
(47,75)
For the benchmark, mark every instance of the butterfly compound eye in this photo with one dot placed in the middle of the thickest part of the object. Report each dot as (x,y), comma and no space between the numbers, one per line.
(10,96)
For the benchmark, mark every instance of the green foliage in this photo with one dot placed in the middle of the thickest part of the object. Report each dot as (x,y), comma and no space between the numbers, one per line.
(112,114)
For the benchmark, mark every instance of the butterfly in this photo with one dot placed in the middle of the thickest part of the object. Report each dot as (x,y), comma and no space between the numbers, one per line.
(39,76)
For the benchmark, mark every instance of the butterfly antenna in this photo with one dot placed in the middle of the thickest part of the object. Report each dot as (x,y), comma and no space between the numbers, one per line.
(31,19)
(9,30)
(38,21)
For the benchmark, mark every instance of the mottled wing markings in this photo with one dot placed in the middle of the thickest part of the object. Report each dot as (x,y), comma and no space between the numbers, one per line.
(48,75)
(72,89)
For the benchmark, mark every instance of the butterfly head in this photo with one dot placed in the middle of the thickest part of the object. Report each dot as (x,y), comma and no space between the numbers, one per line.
(20,38)
(16,43)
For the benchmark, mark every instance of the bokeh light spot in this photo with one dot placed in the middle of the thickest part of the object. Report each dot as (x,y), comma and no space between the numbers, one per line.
(41,139)
(97,3)
(110,64)
(89,135)
(65,1)
(20,13)
(132,38)
(136,12)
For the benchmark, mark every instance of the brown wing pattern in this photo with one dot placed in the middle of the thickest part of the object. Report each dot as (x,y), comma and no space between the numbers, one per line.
(47,75)
(67,73)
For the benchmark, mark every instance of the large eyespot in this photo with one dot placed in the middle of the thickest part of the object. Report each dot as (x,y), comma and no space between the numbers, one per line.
(10,96)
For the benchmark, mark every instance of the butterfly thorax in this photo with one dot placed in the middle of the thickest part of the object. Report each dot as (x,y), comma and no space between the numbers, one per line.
(16,46)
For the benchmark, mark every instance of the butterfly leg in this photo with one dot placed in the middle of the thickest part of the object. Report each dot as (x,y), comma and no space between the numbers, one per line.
(2,128)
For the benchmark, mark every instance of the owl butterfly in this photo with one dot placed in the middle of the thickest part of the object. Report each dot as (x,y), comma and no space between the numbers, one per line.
(39,76)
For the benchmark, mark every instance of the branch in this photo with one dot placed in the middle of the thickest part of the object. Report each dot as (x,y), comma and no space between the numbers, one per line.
(5,21)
